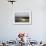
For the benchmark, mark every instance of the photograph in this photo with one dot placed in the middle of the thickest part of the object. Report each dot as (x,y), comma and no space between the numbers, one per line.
(22,18)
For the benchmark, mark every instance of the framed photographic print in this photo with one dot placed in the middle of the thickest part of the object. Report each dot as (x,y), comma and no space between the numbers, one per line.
(22,17)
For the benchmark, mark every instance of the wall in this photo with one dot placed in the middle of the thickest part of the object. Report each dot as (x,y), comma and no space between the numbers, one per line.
(8,30)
